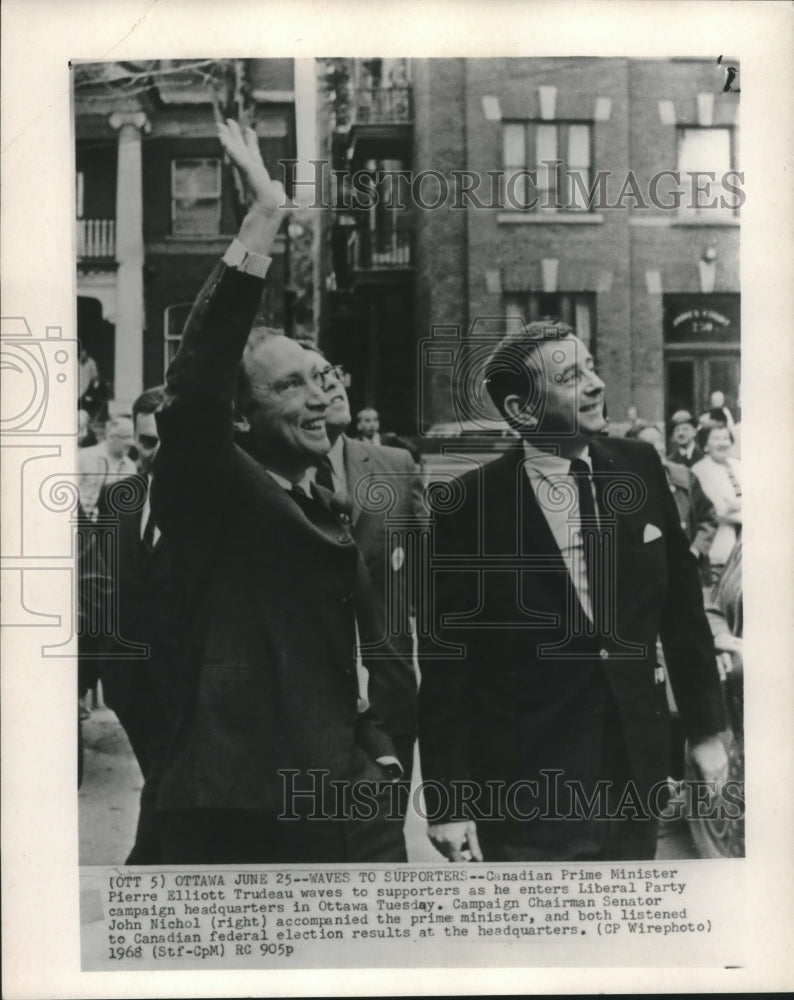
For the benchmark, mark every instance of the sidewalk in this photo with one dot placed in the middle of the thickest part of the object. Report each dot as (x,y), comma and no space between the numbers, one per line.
(112,782)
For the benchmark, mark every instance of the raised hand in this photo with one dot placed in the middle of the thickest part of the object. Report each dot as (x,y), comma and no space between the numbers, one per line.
(242,147)
(267,203)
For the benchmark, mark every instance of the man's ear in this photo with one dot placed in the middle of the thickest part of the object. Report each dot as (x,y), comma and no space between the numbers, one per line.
(241,424)
(520,418)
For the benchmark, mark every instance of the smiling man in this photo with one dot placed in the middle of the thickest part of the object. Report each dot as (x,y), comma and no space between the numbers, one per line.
(544,737)
(269,729)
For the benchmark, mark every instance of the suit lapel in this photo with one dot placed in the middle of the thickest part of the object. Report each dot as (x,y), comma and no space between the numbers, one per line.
(516,510)
(357,465)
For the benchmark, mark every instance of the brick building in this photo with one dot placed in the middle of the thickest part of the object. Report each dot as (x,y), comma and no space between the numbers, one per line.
(574,218)
(156,204)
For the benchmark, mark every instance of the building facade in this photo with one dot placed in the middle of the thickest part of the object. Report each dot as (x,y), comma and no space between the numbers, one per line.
(604,192)
(156,203)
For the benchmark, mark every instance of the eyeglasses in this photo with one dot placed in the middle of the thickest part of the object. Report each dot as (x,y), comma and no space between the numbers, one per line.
(335,372)
(294,383)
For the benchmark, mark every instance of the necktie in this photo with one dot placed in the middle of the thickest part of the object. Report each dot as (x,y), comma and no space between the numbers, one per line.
(147,539)
(590,528)
(324,476)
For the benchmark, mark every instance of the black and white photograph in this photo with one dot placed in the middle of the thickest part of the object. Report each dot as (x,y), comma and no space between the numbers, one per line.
(375,488)
(221,710)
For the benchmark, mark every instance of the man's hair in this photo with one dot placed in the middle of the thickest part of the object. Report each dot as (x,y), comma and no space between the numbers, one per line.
(309,345)
(244,399)
(366,409)
(507,371)
(148,401)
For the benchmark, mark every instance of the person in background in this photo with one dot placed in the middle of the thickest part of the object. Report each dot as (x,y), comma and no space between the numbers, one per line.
(354,470)
(368,425)
(684,448)
(92,390)
(720,476)
(138,674)
(717,412)
(85,436)
(698,518)
(104,463)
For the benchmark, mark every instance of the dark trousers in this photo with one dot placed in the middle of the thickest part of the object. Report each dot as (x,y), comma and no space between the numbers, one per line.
(630,839)
(246,836)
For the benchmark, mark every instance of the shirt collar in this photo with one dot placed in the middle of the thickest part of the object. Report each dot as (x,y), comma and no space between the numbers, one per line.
(547,464)
(336,456)
(303,484)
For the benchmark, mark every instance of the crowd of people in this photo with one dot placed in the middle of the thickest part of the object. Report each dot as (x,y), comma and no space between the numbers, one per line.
(262,652)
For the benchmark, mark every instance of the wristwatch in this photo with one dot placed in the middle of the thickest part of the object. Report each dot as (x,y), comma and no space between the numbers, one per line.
(241,259)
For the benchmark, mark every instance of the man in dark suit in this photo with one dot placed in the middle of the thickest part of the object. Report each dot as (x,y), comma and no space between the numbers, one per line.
(361,475)
(685,450)
(137,674)
(554,573)
(269,743)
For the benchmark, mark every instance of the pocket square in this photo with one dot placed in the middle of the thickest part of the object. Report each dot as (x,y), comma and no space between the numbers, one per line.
(651,533)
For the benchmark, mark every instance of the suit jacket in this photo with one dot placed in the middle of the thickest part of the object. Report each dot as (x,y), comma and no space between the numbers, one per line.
(369,471)
(676,456)
(138,673)
(698,517)
(527,692)
(269,678)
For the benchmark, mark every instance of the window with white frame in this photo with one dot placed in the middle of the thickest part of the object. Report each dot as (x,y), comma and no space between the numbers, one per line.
(703,151)
(173,325)
(196,197)
(547,165)
(577,309)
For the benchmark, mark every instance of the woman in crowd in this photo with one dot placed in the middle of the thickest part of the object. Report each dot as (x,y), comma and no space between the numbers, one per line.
(720,476)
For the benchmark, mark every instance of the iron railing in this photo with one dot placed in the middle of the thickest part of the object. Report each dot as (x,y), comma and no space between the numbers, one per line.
(96,239)
(383,106)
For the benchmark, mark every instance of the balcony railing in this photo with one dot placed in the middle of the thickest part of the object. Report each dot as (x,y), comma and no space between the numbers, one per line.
(383,106)
(380,249)
(96,239)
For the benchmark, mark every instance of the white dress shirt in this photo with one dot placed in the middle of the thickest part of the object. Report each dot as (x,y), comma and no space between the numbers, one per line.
(146,513)
(557,494)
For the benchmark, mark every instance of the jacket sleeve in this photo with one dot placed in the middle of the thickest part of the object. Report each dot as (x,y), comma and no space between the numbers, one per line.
(447,703)
(392,681)
(195,421)
(684,630)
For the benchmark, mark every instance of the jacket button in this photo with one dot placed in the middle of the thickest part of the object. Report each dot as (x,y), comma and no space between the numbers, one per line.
(604,654)
(343,538)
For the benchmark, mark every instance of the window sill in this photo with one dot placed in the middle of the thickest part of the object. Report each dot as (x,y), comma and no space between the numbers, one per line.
(200,244)
(706,220)
(551,218)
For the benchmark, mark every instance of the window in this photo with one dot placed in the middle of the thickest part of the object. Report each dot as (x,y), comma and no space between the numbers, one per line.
(175,319)
(196,197)
(575,309)
(704,150)
(558,155)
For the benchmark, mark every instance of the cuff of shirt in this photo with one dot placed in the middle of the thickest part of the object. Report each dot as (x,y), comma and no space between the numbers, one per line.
(392,765)
(241,259)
